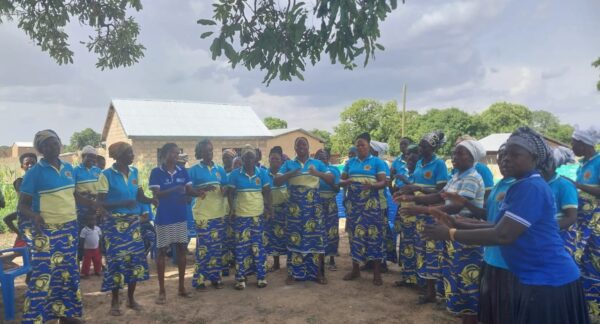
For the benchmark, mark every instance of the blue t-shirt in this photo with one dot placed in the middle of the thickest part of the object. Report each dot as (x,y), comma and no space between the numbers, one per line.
(565,194)
(147,209)
(119,187)
(588,172)
(432,173)
(303,178)
(492,254)
(172,208)
(399,168)
(324,187)
(484,172)
(249,200)
(538,257)
(365,170)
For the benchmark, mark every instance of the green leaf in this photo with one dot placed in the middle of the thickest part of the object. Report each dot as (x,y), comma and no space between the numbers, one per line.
(206,34)
(380,47)
(206,22)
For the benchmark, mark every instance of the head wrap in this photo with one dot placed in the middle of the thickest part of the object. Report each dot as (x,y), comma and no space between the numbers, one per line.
(590,136)
(42,136)
(321,151)
(88,149)
(562,155)
(435,139)
(475,148)
(464,138)
(248,149)
(412,148)
(229,152)
(379,147)
(115,150)
(276,150)
(365,136)
(533,143)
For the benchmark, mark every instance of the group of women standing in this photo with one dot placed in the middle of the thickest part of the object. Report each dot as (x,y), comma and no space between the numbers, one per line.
(540,264)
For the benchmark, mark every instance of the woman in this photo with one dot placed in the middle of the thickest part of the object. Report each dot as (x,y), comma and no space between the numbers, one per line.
(398,168)
(405,226)
(53,291)
(565,195)
(330,210)
(365,179)
(210,214)
(86,177)
(460,262)
(250,200)
(430,176)
(305,224)
(548,288)
(120,193)
(588,185)
(229,164)
(170,185)
(227,157)
(275,227)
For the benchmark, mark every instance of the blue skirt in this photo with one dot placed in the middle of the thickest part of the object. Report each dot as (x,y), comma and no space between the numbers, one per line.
(406,227)
(210,252)
(428,252)
(306,232)
(125,258)
(332,225)
(53,290)
(588,250)
(250,254)
(368,224)
(391,254)
(275,231)
(461,282)
(229,244)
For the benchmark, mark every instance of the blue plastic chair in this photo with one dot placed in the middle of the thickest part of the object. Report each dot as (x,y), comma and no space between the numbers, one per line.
(7,280)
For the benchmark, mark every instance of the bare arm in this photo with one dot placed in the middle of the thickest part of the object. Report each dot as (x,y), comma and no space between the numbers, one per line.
(505,232)
(569,218)
(267,197)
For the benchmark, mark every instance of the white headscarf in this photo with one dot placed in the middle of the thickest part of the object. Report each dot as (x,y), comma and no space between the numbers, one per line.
(379,147)
(88,149)
(475,148)
(590,136)
(562,155)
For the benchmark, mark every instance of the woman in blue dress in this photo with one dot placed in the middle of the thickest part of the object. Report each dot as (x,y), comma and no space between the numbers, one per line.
(588,217)
(365,178)
(275,226)
(330,209)
(548,287)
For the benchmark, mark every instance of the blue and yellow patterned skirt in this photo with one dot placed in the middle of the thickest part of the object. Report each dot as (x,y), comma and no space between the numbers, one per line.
(53,290)
(332,225)
(406,228)
(250,254)
(391,254)
(210,251)
(229,244)
(125,258)
(306,232)
(569,236)
(275,231)
(369,224)
(588,250)
(429,253)
(461,279)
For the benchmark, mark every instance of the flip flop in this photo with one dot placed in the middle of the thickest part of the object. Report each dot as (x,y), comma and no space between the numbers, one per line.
(115,311)
(184,294)
(135,306)
(161,300)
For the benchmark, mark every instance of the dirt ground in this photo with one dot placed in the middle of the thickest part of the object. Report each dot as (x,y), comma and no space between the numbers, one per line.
(304,302)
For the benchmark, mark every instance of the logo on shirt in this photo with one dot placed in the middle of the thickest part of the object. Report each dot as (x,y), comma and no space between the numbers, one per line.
(134,182)
(257,181)
(428,175)
(218,176)
(500,196)
(68,174)
(367,167)
(587,175)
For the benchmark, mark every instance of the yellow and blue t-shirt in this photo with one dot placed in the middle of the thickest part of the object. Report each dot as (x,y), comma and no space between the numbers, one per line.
(588,172)
(399,167)
(119,187)
(249,201)
(279,195)
(86,180)
(365,171)
(52,191)
(214,205)
(565,194)
(304,178)
(326,190)
(432,173)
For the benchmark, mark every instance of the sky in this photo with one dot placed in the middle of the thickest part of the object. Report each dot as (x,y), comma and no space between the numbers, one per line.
(450,53)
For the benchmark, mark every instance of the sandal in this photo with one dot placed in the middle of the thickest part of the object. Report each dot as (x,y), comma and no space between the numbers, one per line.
(184,294)
(161,300)
(135,306)
(240,285)
(262,283)
(115,311)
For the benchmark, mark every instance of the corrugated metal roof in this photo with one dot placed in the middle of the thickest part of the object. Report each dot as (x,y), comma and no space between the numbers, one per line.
(157,118)
(283,131)
(492,142)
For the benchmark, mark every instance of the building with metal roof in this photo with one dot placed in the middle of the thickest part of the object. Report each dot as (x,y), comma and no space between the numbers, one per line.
(285,137)
(492,143)
(148,124)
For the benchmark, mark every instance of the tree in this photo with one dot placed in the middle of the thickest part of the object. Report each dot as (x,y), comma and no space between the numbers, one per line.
(86,137)
(503,117)
(325,135)
(548,124)
(274,123)
(114,39)
(282,39)
(596,64)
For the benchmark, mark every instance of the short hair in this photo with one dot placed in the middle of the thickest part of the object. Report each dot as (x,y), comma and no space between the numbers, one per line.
(27,155)
(166,148)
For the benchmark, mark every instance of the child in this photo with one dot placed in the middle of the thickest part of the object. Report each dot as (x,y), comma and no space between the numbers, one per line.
(90,240)
(27,161)
(147,229)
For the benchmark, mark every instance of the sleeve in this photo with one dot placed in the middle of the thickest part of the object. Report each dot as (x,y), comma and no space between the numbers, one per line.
(381,167)
(441,173)
(84,233)
(102,183)
(521,204)
(231,180)
(346,169)
(29,184)
(486,175)
(323,168)
(135,173)
(224,179)
(99,231)
(187,180)
(284,168)
(265,179)
(469,188)
(336,175)
(569,198)
(154,182)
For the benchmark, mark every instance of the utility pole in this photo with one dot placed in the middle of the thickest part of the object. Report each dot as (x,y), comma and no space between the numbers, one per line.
(403,109)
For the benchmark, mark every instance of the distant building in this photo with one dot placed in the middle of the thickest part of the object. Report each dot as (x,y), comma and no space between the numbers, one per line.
(19,148)
(148,124)
(492,143)
(285,137)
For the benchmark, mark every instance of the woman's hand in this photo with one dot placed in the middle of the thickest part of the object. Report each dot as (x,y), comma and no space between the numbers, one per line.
(409,189)
(38,222)
(413,210)
(366,186)
(442,217)
(437,232)
(154,201)
(344,183)
(399,198)
(455,198)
